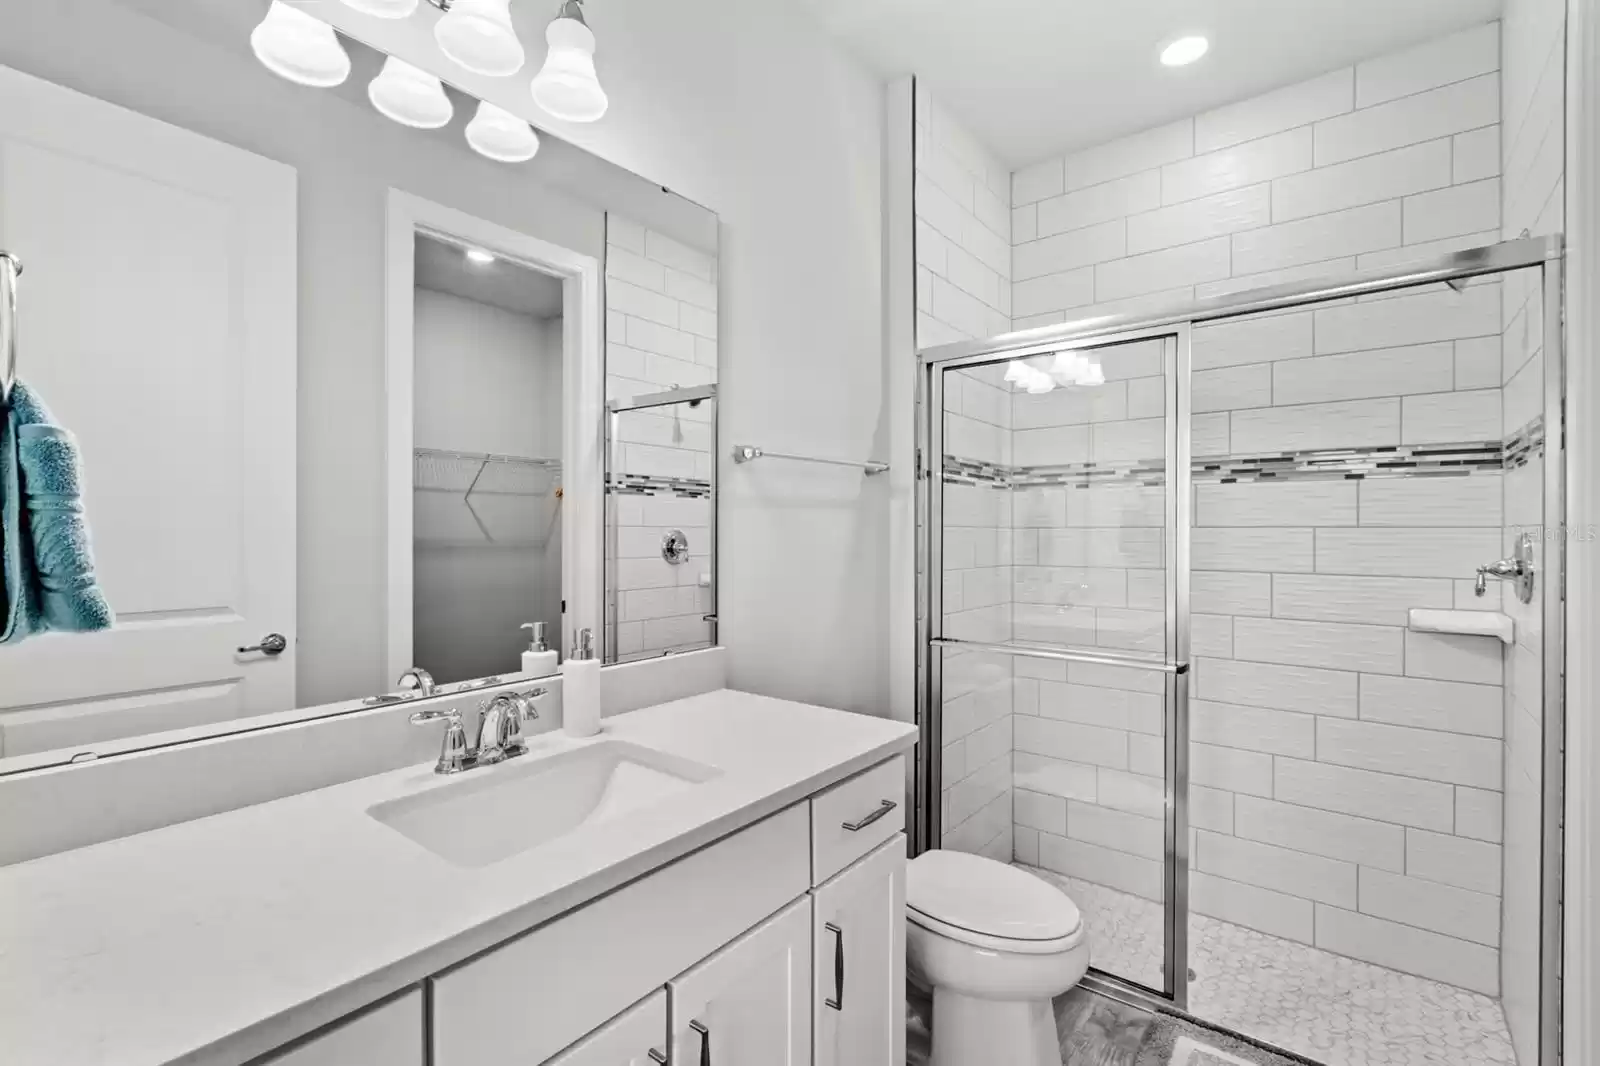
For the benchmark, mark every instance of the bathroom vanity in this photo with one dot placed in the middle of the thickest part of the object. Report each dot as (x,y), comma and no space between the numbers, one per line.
(715,880)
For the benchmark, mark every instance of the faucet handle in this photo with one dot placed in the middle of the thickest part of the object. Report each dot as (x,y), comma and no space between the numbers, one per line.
(453,752)
(521,708)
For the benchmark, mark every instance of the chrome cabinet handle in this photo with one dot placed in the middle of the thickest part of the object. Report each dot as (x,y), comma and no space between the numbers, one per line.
(837,1002)
(657,1057)
(705,1042)
(271,644)
(856,827)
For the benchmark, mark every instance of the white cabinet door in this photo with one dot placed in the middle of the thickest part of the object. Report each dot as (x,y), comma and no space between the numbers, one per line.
(390,1035)
(158,322)
(750,1003)
(626,1040)
(859,934)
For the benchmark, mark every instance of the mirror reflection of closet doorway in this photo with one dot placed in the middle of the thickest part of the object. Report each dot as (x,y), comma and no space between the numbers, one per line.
(493,375)
(487,484)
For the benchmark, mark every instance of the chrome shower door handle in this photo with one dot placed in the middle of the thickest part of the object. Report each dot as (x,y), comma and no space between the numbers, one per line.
(271,644)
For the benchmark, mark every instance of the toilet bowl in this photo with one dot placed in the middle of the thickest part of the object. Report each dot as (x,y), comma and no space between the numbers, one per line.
(995,945)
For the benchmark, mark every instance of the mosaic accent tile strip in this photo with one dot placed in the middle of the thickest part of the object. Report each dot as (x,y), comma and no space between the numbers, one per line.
(1458,459)
(1526,444)
(687,488)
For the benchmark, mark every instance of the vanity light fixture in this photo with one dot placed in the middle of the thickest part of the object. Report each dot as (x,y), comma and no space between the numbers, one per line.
(478,35)
(1183,51)
(567,85)
(383,9)
(500,135)
(299,47)
(410,95)
(479,256)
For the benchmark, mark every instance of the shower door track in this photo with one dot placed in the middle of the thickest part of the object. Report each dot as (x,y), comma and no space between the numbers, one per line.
(1173,324)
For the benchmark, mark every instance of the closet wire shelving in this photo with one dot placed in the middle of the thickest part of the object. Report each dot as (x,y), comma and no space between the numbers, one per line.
(512,500)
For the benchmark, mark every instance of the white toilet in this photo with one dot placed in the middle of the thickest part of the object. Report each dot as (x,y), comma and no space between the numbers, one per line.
(996,945)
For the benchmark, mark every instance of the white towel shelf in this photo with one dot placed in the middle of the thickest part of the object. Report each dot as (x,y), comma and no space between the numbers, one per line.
(1468,623)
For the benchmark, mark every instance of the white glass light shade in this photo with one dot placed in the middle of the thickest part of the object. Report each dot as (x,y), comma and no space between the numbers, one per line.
(294,45)
(409,95)
(500,135)
(478,35)
(567,86)
(383,9)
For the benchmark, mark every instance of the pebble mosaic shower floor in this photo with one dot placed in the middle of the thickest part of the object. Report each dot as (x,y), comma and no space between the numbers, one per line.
(1333,1009)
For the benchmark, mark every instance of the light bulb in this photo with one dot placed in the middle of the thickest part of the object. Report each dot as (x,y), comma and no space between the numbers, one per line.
(478,35)
(567,86)
(500,135)
(409,95)
(383,9)
(1183,51)
(294,45)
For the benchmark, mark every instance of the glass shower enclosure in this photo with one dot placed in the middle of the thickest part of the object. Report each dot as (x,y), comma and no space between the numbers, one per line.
(1188,648)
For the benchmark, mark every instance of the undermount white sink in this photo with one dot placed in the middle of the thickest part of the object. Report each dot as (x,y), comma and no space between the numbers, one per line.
(495,812)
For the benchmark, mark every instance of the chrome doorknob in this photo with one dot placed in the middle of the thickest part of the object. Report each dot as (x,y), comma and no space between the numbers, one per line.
(271,644)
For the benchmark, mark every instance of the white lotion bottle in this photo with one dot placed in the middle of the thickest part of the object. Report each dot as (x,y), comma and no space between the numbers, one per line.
(540,659)
(580,688)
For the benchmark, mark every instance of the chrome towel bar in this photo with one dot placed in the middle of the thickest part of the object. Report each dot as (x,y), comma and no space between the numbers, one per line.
(744,453)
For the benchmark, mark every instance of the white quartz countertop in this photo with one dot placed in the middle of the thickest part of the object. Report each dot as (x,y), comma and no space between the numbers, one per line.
(216,940)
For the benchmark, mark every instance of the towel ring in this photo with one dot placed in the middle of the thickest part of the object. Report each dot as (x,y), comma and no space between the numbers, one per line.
(10,271)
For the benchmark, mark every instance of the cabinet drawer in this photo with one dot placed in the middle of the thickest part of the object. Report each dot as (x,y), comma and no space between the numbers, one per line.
(626,1040)
(527,999)
(855,816)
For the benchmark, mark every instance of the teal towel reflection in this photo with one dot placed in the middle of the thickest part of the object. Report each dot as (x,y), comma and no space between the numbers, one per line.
(47,579)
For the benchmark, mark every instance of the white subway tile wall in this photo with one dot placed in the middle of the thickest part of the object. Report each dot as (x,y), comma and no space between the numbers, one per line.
(661,333)
(963,231)
(1352,784)
(1532,151)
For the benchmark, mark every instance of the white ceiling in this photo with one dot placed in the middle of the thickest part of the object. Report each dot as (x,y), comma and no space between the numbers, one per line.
(1035,78)
(443,267)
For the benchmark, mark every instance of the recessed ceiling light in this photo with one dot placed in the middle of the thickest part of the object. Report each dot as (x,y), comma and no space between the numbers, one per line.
(1184,50)
(479,256)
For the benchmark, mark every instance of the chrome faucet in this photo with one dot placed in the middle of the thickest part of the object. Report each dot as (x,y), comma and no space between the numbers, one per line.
(1518,568)
(417,680)
(500,736)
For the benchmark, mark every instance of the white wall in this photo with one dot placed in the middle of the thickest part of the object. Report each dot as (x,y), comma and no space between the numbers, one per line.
(748,108)
(1533,51)
(488,380)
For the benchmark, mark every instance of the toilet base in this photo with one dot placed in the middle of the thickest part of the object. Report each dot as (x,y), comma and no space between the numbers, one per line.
(968,1030)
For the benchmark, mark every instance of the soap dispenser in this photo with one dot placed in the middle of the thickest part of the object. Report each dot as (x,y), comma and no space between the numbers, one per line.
(540,659)
(580,688)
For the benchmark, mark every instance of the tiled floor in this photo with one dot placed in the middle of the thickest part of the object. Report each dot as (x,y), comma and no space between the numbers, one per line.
(1326,1007)
(1097,1031)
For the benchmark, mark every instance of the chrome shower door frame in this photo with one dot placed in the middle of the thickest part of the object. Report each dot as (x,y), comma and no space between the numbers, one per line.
(1173,663)
(1454,269)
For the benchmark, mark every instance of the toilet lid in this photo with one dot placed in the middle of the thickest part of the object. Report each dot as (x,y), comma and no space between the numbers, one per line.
(985,898)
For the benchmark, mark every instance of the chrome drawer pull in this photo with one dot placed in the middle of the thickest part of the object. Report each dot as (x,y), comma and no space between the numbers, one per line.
(705,1042)
(657,1057)
(856,827)
(837,1002)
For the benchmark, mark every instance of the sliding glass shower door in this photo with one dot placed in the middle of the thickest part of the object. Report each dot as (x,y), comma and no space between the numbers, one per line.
(1347,843)
(1062,629)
